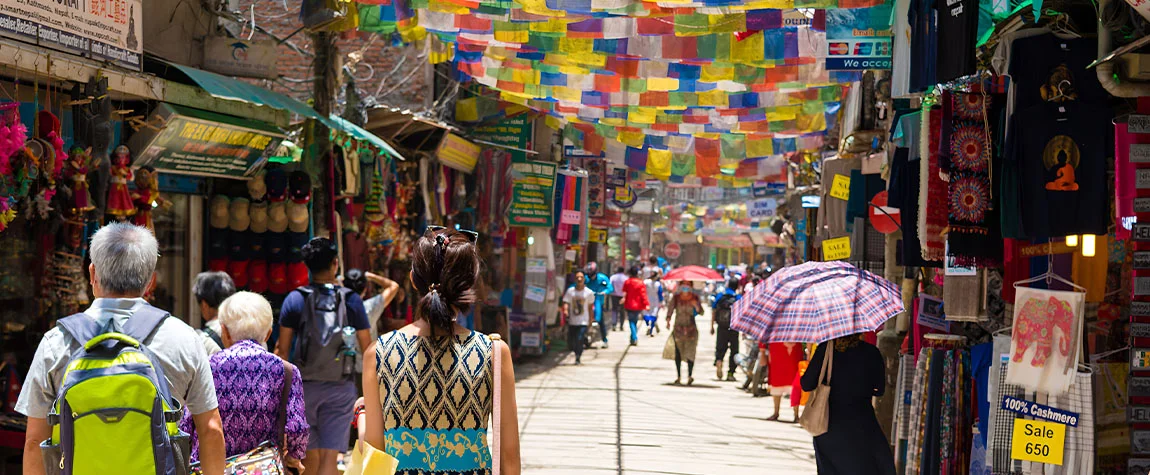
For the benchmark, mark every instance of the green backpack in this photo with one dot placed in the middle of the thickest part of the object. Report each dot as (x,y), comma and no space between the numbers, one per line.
(114,412)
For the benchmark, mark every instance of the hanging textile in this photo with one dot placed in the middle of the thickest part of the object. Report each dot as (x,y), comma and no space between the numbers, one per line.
(967,157)
(918,409)
(932,213)
(1000,424)
(570,208)
(904,405)
(1045,342)
(1078,455)
(965,297)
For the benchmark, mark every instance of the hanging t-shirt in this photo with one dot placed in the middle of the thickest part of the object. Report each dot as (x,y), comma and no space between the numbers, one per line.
(1039,64)
(1059,153)
(923,44)
(900,55)
(957,34)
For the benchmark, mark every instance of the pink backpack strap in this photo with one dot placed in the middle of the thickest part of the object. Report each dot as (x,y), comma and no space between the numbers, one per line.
(497,404)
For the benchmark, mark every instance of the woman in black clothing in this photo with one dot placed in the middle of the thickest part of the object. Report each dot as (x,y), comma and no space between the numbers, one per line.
(854,443)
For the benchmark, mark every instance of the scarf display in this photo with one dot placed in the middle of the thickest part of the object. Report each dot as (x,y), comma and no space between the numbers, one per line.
(941,401)
(1078,455)
(965,297)
(932,220)
(494,190)
(903,407)
(570,207)
(967,153)
(1046,339)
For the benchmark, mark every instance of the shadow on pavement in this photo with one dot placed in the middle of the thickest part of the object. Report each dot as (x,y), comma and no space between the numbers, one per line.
(528,366)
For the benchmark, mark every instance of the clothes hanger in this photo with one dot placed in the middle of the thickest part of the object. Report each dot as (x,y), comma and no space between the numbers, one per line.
(1094,358)
(1050,277)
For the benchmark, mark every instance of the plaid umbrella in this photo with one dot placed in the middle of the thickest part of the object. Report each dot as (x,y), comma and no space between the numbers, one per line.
(816,302)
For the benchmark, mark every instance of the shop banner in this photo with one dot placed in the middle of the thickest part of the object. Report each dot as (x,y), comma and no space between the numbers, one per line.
(762,208)
(597,235)
(240,57)
(511,132)
(196,142)
(99,29)
(597,186)
(1039,411)
(859,38)
(457,153)
(532,192)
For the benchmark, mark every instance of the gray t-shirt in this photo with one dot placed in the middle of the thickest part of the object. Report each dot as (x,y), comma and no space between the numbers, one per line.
(179,349)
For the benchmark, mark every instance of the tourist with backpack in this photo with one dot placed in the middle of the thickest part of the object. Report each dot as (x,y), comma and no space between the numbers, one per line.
(153,366)
(725,338)
(260,395)
(210,290)
(323,328)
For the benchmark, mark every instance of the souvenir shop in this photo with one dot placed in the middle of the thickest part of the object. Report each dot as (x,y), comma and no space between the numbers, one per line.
(1001,184)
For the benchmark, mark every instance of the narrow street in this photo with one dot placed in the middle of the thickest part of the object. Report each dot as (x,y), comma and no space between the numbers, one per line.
(619,413)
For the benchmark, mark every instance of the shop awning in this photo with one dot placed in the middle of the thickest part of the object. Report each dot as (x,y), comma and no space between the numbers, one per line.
(222,86)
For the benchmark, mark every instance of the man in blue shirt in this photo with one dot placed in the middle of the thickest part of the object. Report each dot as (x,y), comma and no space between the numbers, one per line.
(601,285)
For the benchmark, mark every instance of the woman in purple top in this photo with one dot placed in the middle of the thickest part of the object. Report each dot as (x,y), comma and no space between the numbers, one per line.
(249,381)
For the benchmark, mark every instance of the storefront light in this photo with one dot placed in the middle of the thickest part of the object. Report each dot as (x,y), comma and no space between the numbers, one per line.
(699,238)
(1072,240)
(1088,245)
(530,240)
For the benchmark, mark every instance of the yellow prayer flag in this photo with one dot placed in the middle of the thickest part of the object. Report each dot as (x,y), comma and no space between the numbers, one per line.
(642,115)
(512,36)
(467,110)
(747,51)
(552,25)
(568,94)
(635,139)
(713,73)
(573,46)
(662,84)
(715,98)
(552,122)
(659,163)
(514,98)
(759,147)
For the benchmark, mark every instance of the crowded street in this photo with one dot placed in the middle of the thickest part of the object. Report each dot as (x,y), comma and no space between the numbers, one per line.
(619,413)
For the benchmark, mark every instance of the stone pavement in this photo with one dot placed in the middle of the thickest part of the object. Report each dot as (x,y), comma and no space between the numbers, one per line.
(618,413)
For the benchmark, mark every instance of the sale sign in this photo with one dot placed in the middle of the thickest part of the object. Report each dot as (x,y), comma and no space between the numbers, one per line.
(1038,441)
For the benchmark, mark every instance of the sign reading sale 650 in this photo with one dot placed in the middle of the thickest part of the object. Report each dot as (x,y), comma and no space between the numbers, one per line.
(1038,441)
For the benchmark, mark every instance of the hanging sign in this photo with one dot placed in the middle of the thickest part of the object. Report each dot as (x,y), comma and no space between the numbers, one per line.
(1138,124)
(1140,442)
(1142,259)
(1141,231)
(597,235)
(1142,178)
(763,208)
(597,187)
(859,38)
(201,143)
(1138,386)
(1139,153)
(1139,330)
(1038,441)
(712,193)
(672,250)
(1139,359)
(930,313)
(511,132)
(1142,205)
(1140,309)
(458,153)
(570,216)
(1141,286)
(103,30)
(837,248)
(841,187)
(240,57)
(532,191)
(1138,414)
(625,197)
(1039,411)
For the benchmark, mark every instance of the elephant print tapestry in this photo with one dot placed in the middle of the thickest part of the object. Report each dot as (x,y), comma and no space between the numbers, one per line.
(1045,340)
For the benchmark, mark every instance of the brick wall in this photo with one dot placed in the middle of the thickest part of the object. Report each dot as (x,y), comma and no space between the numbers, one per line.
(379,59)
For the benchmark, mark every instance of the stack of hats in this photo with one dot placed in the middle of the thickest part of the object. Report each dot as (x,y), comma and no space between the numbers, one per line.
(219,235)
(296,209)
(257,235)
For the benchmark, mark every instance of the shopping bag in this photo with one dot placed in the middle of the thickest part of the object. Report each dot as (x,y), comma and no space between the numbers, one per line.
(669,347)
(368,460)
(817,417)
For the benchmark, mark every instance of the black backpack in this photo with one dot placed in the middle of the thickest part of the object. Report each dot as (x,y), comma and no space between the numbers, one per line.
(320,352)
(722,309)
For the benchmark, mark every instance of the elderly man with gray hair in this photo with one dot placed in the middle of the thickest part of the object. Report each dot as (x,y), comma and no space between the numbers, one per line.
(123,270)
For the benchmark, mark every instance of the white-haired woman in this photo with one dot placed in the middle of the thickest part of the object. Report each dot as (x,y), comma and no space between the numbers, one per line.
(249,380)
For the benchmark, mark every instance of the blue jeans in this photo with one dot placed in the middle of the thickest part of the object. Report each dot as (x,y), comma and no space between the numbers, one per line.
(575,334)
(633,322)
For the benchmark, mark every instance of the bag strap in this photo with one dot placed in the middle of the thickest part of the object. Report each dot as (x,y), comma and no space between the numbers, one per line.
(80,327)
(497,404)
(828,361)
(144,322)
(281,416)
(214,336)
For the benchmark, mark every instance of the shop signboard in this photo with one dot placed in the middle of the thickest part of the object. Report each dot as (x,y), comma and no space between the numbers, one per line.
(1139,153)
(1142,259)
(1138,414)
(1139,330)
(201,143)
(1139,359)
(532,191)
(240,57)
(102,30)
(597,235)
(1138,124)
(1140,442)
(859,38)
(712,193)
(837,248)
(1141,286)
(1141,231)
(762,208)
(1138,386)
(514,132)
(1142,178)
(597,187)
(1142,205)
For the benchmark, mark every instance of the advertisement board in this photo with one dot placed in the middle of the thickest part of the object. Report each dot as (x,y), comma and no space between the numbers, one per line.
(532,192)
(859,38)
(103,30)
(196,142)
(240,57)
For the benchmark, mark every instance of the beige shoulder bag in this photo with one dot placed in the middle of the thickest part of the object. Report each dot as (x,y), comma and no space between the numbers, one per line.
(816,417)
(497,403)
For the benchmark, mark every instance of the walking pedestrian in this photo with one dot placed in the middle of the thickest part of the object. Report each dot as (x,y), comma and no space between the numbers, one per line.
(726,339)
(682,310)
(635,301)
(783,360)
(441,431)
(123,269)
(854,442)
(600,284)
(578,304)
(361,282)
(655,301)
(327,325)
(618,313)
(250,382)
(210,290)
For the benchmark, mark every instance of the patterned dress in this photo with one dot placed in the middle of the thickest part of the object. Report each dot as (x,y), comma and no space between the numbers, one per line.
(436,396)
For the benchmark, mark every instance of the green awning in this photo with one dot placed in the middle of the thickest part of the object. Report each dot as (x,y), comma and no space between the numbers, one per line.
(225,87)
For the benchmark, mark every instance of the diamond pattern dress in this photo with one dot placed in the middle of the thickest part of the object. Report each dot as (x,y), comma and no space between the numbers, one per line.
(436,395)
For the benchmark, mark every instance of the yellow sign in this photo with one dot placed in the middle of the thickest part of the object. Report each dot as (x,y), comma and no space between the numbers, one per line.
(1038,441)
(597,235)
(841,187)
(837,248)
(622,194)
(456,152)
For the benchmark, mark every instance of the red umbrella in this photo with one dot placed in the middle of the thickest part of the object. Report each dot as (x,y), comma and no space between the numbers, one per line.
(693,273)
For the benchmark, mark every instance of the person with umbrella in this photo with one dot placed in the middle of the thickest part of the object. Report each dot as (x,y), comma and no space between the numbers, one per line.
(684,306)
(831,303)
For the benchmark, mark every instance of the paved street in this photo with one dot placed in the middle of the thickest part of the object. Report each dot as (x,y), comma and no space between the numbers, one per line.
(618,413)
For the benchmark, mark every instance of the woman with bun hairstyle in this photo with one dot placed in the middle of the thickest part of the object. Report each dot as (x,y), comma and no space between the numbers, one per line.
(429,386)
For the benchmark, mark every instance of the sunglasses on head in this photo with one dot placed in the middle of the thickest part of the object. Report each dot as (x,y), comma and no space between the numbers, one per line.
(471,235)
